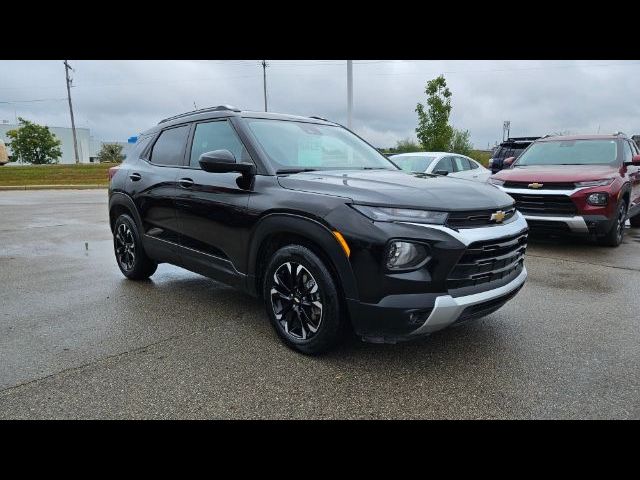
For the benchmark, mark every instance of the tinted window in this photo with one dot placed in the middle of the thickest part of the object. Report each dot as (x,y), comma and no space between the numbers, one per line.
(412,163)
(216,136)
(473,165)
(444,164)
(169,149)
(138,148)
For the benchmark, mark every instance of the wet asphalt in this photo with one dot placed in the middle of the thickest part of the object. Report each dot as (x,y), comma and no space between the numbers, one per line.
(78,340)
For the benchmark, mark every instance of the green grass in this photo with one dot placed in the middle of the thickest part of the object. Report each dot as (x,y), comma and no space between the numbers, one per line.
(83,174)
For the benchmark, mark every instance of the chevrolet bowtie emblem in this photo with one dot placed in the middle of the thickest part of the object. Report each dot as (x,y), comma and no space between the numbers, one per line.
(498,217)
(535,185)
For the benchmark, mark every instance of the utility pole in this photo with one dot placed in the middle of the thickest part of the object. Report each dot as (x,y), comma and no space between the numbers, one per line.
(349,94)
(264,82)
(73,123)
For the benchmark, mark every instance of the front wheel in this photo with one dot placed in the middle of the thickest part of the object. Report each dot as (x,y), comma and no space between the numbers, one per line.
(614,236)
(302,300)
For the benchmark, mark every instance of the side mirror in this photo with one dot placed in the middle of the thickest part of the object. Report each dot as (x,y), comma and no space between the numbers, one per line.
(508,161)
(635,160)
(223,161)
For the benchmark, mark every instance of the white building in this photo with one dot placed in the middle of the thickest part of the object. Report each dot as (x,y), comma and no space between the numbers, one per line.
(88,146)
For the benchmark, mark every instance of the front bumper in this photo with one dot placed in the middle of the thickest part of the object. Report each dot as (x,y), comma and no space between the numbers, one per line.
(403,316)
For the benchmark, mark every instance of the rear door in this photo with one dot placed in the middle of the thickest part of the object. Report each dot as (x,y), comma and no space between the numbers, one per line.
(631,149)
(212,207)
(153,186)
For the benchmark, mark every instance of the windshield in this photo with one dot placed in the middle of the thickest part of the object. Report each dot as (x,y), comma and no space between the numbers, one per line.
(307,146)
(570,152)
(412,163)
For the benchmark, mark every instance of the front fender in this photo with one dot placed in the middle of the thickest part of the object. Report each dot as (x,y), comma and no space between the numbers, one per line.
(311,229)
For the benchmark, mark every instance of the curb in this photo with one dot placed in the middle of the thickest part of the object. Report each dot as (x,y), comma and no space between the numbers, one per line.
(51,187)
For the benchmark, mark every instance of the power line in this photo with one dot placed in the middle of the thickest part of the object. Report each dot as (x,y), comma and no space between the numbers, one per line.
(33,101)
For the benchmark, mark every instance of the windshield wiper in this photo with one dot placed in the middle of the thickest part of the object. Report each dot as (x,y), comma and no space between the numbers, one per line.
(294,170)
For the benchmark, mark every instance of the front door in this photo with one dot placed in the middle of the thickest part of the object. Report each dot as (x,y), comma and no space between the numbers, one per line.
(212,207)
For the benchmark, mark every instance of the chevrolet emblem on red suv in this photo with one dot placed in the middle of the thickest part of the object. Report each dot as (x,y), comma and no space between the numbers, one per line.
(535,185)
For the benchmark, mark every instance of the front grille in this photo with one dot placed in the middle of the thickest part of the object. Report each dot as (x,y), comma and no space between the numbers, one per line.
(488,261)
(476,218)
(544,204)
(546,186)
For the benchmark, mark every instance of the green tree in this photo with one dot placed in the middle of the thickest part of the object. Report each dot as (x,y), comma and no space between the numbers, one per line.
(460,143)
(110,153)
(433,131)
(407,145)
(33,143)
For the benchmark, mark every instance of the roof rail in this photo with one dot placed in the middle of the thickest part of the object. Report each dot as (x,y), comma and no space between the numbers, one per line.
(202,110)
(620,134)
(319,118)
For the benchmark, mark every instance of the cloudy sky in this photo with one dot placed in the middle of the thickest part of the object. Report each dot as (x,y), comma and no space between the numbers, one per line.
(117,99)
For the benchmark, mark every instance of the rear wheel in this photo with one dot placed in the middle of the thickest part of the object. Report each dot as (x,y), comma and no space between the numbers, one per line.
(302,300)
(614,237)
(131,257)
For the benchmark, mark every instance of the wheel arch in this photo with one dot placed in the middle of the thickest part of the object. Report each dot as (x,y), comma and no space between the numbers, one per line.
(120,203)
(277,230)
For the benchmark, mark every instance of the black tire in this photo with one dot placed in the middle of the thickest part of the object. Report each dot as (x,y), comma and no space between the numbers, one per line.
(130,255)
(614,236)
(294,293)
(635,221)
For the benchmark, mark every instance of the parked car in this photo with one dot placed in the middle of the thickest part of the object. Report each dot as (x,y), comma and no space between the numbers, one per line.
(584,184)
(511,148)
(4,158)
(442,163)
(310,217)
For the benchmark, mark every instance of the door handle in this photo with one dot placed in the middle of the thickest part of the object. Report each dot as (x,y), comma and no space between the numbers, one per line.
(185,182)
(135,177)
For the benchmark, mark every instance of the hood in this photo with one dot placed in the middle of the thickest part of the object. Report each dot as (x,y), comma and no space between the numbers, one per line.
(399,189)
(557,173)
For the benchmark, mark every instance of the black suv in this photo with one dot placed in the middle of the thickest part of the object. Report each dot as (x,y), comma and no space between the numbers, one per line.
(512,147)
(307,215)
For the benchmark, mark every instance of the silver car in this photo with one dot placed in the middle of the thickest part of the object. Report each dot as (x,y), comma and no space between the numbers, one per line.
(442,163)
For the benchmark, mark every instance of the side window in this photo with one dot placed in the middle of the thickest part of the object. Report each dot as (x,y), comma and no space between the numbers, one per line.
(136,150)
(218,135)
(461,164)
(473,165)
(169,148)
(444,164)
(628,153)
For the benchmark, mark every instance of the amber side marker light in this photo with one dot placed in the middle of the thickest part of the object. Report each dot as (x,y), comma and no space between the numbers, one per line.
(342,242)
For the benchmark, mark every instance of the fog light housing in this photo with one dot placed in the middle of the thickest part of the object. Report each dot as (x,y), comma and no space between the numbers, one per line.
(598,199)
(406,255)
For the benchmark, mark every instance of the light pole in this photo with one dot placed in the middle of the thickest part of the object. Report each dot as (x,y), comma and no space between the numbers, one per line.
(350,94)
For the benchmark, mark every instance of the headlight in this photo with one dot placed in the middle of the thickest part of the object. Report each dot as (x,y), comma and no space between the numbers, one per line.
(496,181)
(406,255)
(598,199)
(596,183)
(386,214)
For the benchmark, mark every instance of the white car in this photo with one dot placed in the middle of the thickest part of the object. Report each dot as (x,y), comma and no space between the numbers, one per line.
(442,163)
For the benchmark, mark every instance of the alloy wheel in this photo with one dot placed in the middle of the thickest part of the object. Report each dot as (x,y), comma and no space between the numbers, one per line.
(125,246)
(296,301)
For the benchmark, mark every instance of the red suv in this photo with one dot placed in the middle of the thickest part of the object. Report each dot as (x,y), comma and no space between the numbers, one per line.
(585,184)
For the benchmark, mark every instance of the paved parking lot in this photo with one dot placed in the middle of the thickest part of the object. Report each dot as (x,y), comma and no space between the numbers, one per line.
(78,340)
